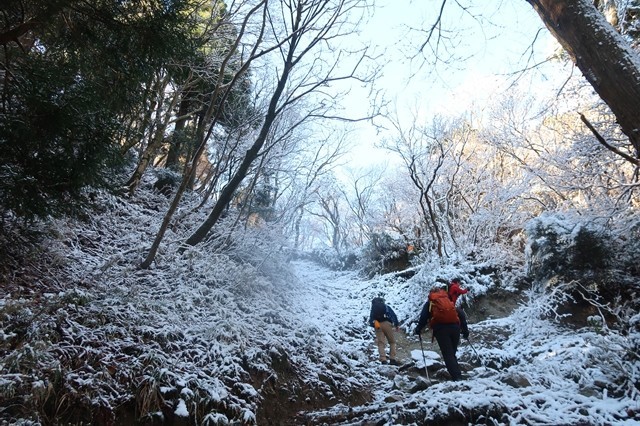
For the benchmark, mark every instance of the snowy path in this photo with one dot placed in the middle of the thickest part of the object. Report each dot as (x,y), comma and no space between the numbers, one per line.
(523,384)
(324,292)
(337,304)
(333,302)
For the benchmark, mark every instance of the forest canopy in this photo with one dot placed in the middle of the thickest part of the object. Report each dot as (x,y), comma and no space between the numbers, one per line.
(95,96)
(167,162)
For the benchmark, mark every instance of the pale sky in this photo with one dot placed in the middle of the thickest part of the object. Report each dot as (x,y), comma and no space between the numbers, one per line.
(489,42)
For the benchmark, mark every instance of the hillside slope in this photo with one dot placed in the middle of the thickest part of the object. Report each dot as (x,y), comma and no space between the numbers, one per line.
(234,333)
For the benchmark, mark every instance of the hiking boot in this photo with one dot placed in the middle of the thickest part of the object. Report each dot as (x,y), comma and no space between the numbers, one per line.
(393,362)
(383,361)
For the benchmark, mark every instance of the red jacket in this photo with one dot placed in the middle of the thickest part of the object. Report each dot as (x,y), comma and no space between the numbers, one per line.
(455,291)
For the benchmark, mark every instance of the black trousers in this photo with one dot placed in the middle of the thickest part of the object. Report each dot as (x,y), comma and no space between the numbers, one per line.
(448,338)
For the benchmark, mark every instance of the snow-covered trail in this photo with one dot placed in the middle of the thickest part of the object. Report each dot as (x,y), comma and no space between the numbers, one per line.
(337,303)
(522,383)
(323,292)
(334,302)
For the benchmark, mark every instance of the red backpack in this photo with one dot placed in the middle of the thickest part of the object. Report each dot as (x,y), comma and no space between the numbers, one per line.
(442,309)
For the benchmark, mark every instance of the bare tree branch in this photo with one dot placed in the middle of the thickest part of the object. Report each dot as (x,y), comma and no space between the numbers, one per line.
(604,143)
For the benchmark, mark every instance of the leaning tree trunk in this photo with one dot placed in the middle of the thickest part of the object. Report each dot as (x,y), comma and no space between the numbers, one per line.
(191,166)
(600,52)
(226,195)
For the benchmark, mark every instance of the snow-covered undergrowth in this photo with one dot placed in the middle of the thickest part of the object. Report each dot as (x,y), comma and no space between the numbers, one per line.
(523,369)
(210,334)
(231,332)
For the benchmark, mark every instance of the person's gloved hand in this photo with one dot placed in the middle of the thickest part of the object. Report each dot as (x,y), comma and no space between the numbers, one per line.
(416,331)
(466,336)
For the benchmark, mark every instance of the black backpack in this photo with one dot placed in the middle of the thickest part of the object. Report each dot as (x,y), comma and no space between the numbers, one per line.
(378,309)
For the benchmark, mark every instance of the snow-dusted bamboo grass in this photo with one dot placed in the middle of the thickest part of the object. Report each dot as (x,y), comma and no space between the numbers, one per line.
(201,335)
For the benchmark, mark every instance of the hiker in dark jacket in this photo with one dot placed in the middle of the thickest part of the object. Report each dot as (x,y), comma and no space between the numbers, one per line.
(447,335)
(384,320)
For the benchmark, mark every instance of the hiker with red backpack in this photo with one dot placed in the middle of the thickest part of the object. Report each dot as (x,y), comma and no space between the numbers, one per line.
(447,323)
(384,320)
(455,290)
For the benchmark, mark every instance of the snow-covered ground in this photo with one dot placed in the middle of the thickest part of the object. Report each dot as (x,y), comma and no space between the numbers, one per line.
(237,334)
(540,374)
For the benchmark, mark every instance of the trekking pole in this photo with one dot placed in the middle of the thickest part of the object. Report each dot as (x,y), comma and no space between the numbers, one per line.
(424,360)
(477,354)
(474,349)
(468,340)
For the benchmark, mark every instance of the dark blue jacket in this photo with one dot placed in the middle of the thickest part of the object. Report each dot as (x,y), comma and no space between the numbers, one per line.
(389,315)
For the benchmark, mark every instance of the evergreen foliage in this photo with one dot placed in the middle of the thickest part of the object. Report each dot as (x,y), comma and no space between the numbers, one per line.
(328,258)
(384,253)
(68,95)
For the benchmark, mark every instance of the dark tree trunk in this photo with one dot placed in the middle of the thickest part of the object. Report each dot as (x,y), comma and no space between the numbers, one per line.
(252,153)
(191,166)
(175,148)
(604,57)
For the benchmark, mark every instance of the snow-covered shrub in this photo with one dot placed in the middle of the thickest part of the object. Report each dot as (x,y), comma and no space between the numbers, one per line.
(625,261)
(597,358)
(598,259)
(262,247)
(333,260)
(384,253)
(596,322)
(167,180)
(565,246)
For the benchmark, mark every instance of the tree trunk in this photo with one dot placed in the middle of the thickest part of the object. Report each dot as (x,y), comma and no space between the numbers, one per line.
(252,153)
(175,148)
(192,165)
(156,141)
(604,57)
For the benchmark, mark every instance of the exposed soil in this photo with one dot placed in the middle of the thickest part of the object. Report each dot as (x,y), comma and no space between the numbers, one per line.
(298,400)
(495,305)
(286,395)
